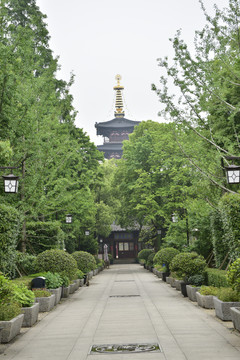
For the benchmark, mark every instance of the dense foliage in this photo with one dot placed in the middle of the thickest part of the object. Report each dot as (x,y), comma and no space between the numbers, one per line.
(186,265)
(165,256)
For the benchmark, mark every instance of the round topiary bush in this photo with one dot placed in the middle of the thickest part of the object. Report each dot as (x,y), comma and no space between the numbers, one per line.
(150,259)
(85,261)
(57,261)
(186,265)
(164,257)
(144,254)
(233,275)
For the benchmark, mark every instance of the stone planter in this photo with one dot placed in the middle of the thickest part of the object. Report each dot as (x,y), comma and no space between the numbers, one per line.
(222,309)
(30,315)
(191,292)
(155,271)
(95,272)
(168,280)
(178,284)
(81,282)
(65,291)
(11,328)
(184,289)
(72,288)
(90,275)
(77,282)
(46,303)
(58,294)
(205,301)
(235,315)
(164,276)
(172,282)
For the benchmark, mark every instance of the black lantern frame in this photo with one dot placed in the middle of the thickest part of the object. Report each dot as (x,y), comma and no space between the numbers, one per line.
(68,218)
(10,183)
(233,174)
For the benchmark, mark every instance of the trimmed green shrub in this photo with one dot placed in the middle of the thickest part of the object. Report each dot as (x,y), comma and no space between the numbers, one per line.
(85,261)
(228,294)
(188,264)
(53,280)
(150,259)
(233,275)
(45,235)
(164,257)
(57,261)
(9,231)
(196,280)
(216,278)
(208,290)
(144,254)
(65,281)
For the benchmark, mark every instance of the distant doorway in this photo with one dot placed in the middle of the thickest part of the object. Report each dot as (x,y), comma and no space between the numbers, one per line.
(124,249)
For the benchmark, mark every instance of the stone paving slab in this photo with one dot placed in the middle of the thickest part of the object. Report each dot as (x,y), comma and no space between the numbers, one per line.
(158,315)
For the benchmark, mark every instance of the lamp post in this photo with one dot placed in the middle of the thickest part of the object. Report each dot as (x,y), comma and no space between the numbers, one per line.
(10,181)
(68,219)
(101,242)
(232,171)
(87,232)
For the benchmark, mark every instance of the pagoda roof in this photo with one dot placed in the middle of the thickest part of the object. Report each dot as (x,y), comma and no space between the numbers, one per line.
(117,123)
(110,147)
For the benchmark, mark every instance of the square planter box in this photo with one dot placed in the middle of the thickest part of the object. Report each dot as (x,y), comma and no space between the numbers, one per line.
(155,271)
(168,280)
(222,309)
(58,293)
(235,315)
(205,301)
(172,282)
(77,282)
(191,292)
(73,287)
(178,284)
(11,328)
(65,291)
(46,303)
(81,282)
(30,315)
(90,275)
(95,272)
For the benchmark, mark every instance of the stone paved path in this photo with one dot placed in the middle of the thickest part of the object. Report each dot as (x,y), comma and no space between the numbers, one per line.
(126,304)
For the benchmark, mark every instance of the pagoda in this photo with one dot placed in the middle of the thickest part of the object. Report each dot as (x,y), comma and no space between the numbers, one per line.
(116,130)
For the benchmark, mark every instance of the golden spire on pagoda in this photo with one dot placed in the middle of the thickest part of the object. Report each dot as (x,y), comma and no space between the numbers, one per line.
(119,113)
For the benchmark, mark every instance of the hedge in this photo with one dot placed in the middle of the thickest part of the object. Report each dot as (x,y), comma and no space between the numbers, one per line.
(216,278)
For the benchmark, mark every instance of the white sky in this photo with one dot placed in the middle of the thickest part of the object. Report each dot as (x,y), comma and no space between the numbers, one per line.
(97,39)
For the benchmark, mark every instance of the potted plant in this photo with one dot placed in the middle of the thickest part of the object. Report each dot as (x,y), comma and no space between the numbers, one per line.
(11,318)
(150,261)
(164,257)
(186,265)
(224,300)
(205,296)
(53,283)
(233,277)
(45,299)
(194,283)
(30,309)
(65,286)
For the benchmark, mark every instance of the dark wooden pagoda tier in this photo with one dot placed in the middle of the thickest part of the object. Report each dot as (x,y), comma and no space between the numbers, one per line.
(114,132)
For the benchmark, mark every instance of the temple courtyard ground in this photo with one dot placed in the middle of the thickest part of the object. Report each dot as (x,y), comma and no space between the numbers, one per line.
(124,305)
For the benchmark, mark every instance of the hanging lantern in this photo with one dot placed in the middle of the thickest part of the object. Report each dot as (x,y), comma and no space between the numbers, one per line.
(233,174)
(68,219)
(10,183)
(87,232)
(174,218)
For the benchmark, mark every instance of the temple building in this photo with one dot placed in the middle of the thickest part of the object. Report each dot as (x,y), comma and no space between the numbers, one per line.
(116,130)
